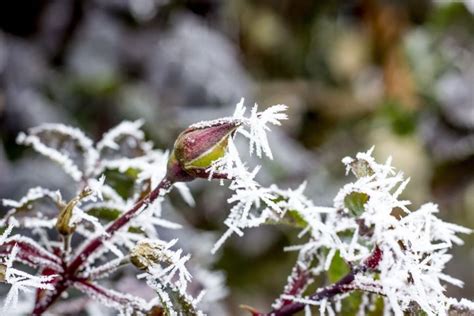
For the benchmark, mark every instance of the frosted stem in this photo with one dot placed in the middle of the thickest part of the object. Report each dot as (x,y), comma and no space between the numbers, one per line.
(116,225)
(96,243)
(66,246)
(344,285)
(109,297)
(31,254)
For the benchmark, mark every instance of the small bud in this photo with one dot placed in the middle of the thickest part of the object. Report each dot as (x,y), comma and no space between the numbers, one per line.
(3,272)
(360,168)
(146,254)
(64,218)
(197,147)
(63,223)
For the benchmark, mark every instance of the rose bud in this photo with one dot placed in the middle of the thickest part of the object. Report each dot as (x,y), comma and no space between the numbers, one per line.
(197,147)
(145,254)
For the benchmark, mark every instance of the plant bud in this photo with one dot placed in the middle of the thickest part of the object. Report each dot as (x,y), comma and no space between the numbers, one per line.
(197,147)
(64,218)
(63,223)
(360,168)
(145,254)
(3,272)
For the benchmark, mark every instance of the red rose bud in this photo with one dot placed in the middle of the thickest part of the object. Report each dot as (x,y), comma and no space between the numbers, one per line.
(197,147)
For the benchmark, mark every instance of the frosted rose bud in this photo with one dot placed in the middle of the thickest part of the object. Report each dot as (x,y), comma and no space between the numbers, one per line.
(145,254)
(197,147)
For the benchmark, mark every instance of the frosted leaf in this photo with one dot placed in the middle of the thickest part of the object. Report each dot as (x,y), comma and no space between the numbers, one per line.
(125,128)
(78,216)
(21,281)
(96,187)
(151,167)
(32,253)
(62,159)
(413,243)
(32,195)
(125,303)
(104,270)
(64,145)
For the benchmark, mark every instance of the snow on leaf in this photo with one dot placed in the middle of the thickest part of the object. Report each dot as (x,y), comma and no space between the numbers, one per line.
(413,243)
(49,140)
(21,281)
(62,159)
(126,128)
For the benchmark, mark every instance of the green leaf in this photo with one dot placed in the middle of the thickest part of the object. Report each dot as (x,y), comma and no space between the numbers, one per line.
(355,202)
(351,304)
(296,219)
(105,213)
(214,153)
(338,269)
(179,302)
(378,307)
(122,183)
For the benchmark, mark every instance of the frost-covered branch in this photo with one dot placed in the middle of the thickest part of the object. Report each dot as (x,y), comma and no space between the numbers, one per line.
(369,240)
(30,252)
(21,281)
(125,303)
(389,249)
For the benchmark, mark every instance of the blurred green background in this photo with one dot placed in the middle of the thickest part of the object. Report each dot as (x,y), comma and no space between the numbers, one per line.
(395,74)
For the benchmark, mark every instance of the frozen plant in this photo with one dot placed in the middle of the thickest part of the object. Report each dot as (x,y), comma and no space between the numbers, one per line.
(376,252)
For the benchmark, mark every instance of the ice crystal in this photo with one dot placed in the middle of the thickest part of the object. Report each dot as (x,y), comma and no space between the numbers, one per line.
(390,249)
(247,191)
(126,128)
(413,243)
(21,281)
(255,126)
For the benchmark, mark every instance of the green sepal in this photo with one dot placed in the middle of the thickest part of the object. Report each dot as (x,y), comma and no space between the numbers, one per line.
(355,202)
(207,158)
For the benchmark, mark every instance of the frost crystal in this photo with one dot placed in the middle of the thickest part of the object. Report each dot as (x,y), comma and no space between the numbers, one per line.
(388,248)
(21,281)
(411,245)
(126,128)
(254,127)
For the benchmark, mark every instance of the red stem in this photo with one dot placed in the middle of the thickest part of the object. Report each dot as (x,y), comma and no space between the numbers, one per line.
(337,288)
(69,274)
(342,286)
(297,283)
(30,254)
(107,294)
